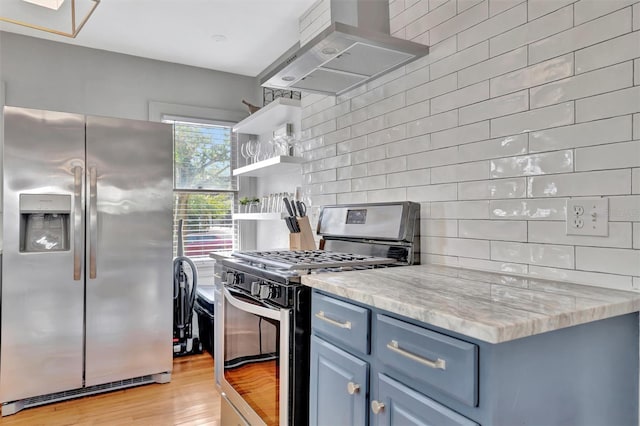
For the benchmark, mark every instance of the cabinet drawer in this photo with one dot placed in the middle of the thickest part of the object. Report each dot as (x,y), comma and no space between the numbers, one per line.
(404,406)
(447,364)
(341,322)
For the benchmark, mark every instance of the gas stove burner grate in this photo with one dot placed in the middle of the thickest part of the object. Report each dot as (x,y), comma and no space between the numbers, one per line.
(310,259)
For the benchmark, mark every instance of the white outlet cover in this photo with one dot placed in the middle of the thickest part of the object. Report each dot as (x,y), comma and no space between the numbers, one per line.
(595,218)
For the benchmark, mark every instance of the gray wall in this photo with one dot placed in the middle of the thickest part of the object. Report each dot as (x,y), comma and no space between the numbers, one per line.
(56,76)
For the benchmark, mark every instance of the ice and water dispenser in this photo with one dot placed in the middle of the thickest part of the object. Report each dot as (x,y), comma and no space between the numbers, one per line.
(44,222)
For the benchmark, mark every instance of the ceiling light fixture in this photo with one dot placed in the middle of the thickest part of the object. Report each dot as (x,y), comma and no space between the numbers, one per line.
(65,18)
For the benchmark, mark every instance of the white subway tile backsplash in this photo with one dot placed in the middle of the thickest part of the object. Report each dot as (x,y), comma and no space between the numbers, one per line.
(368,126)
(494,148)
(408,146)
(497,107)
(438,228)
(446,192)
(538,8)
(533,164)
(626,101)
(386,136)
(583,85)
(624,208)
(556,233)
(466,4)
(436,52)
(490,265)
(438,157)
(493,67)
(351,145)
(498,24)
(612,156)
(456,247)
(387,105)
(352,172)
(492,189)
(537,209)
(551,70)
(460,210)
(533,254)
(607,53)
(535,30)
(463,20)
(391,165)
(460,135)
(409,178)
(466,96)
(337,136)
(368,183)
(431,19)
(542,118)
(434,123)
(412,112)
(432,89)
(584,35)
(499,6)
(586,10)
(619,282)
(460,172)
(394,194)
(460,60)
(585,134)
(436,259)
(608,260)
(515,109)
(610,182)
(507,230)
(368,155)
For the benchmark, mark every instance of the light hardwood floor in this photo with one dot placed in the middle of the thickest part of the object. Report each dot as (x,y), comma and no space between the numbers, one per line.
(190,399)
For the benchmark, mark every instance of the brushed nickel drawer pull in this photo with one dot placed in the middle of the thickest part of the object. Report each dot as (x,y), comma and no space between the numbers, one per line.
(353,388)
(439,363)
(346,324)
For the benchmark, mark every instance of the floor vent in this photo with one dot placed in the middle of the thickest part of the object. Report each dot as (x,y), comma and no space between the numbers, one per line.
(12,407)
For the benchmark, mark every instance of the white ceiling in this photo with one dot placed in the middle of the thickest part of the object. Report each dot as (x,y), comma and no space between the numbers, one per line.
(183,31)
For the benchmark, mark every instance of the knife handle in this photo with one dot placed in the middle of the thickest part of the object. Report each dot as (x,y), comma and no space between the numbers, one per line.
(287,205)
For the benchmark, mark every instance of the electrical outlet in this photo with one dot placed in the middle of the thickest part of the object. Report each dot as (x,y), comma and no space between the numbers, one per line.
(588,216)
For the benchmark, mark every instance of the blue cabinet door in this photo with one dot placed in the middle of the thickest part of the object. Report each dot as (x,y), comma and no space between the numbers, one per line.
(399,405)
(339,386)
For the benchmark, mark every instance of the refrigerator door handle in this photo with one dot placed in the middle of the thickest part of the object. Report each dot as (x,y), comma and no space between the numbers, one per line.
(77,223)
(93,221)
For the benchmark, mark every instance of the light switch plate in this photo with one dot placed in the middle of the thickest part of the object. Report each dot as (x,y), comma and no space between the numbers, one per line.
(588,216)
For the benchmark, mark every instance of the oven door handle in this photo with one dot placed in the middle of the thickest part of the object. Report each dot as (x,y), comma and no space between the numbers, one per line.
(272,313)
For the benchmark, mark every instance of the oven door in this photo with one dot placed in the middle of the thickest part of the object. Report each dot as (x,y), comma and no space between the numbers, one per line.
(256,359)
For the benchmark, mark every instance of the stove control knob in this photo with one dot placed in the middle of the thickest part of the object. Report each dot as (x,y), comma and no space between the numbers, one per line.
(265,291)
(255,288)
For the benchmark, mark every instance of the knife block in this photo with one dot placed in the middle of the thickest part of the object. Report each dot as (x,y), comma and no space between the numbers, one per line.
(302,240)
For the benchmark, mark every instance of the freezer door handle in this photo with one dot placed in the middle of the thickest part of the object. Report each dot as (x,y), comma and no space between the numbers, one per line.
(77,223)
(93,221)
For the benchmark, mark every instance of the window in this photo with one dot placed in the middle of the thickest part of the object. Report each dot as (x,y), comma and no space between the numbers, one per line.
(205,191)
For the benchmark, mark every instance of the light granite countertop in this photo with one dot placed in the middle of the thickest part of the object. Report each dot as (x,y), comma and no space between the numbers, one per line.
(488,306)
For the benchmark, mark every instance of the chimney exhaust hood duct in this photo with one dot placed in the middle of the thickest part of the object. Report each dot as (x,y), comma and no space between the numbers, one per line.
(354,48)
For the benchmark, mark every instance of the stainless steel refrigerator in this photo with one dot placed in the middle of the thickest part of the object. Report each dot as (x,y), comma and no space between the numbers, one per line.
(87,256)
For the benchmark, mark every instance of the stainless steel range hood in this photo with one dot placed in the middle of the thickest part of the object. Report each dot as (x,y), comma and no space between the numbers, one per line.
(354,48)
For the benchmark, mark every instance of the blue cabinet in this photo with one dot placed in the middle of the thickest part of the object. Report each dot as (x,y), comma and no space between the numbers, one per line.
(339,386)
(399,405)
(341,364)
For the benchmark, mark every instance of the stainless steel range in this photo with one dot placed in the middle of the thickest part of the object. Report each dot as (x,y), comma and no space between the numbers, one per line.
(266,311)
